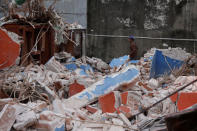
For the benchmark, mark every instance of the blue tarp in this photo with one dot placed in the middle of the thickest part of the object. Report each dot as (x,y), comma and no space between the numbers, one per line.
(86,67)
(116,62)
(71,66)
(162,64)
(83,73)
(83,68)
(133,61)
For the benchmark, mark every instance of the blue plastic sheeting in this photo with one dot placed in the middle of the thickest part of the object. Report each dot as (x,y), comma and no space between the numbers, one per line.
(133,61)
(73,59)
(109,83)
(160,65)
(116,62)
(86,67)
(83,73)
(61,128)
(71,66)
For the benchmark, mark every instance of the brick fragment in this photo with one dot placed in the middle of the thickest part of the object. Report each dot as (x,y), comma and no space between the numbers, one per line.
(75,88)
(109,102)
(124,110)
(186,100)
(174,97)
(129,100)
(91,109)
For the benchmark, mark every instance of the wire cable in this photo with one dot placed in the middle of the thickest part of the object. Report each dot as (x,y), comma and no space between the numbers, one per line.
(139,37)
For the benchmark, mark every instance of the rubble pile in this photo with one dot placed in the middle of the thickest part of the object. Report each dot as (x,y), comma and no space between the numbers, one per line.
(145,64)
(88,94)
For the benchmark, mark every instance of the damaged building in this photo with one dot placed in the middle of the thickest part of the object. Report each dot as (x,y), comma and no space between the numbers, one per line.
(65,65)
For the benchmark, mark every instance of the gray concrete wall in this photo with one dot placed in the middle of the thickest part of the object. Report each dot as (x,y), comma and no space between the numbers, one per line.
(3,7)
(150,18)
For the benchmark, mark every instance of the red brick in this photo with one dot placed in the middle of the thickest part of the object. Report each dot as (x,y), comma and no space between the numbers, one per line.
(124,98)
(75,88)
(91,109)
(186,100)
(107,102)
(9,50)
(174,97)
(125,110)
(129,99)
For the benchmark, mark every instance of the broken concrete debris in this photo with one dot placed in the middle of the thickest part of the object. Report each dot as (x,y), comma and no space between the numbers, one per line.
(103,86)
(7,117)
(56,97)
(64,92)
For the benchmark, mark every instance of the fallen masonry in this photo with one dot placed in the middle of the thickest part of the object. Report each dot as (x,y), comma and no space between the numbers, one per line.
(57,97)
(49,90)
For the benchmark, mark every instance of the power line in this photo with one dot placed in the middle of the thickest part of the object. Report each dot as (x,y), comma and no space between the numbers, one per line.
(139,37)
(71,13)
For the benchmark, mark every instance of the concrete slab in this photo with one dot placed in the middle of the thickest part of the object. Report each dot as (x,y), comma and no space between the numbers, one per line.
(102,87)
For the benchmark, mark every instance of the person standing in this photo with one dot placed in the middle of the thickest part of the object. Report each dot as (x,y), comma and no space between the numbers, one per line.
(133,48)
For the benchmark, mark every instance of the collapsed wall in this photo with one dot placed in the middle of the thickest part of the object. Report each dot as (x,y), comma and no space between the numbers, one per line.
(85,93)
